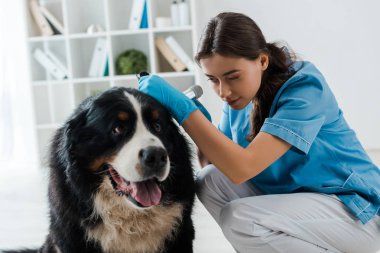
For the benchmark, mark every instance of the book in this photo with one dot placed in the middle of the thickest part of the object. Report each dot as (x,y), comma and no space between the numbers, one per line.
(55,23)
(41,21)
(184,13)
(174,61)
(136,14)
(49,64)
(174,13)
(144,18)
(99,58)
(180,52)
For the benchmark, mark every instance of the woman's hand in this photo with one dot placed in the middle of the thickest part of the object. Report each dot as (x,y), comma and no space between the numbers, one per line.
(178,104)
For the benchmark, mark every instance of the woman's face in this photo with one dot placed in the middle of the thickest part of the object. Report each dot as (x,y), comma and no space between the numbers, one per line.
(235,79)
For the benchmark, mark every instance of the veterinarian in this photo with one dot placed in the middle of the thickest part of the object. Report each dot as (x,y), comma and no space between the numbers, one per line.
(286,172)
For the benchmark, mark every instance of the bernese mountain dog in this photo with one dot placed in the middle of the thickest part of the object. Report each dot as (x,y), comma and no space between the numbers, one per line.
(120,179)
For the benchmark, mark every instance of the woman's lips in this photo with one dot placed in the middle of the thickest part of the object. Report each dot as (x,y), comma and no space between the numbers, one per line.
(233,102)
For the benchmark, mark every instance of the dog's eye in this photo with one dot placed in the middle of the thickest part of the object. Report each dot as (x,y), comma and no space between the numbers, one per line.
(157,127)
(118,130)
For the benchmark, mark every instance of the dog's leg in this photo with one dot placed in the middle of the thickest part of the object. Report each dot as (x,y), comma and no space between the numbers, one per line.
(184,239)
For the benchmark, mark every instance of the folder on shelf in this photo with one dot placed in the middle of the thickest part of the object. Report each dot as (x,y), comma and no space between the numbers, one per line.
(137,12)
(178,50)
(103,70)
(106,72)
(56,61)
(50,64)
(170,55)
(99,60)
(144,18)
(55,23)
(40,19)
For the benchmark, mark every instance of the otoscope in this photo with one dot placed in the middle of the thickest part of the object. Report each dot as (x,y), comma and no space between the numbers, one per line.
(194,92)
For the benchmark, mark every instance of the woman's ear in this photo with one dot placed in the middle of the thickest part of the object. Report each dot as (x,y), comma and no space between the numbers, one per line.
(264,61)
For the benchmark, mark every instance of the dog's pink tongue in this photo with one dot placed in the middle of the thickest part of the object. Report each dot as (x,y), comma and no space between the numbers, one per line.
(147,193)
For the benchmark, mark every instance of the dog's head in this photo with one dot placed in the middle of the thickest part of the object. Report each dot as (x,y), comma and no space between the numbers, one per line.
(124,137)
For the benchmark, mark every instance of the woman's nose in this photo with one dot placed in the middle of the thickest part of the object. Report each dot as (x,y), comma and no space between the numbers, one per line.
(224,90)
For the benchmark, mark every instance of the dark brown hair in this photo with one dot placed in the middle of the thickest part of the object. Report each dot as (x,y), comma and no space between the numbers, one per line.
(237,35)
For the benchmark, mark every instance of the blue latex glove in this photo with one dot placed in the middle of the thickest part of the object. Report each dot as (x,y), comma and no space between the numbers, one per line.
(178,104)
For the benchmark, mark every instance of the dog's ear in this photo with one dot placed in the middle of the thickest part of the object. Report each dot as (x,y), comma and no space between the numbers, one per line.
(79,118)
(72,130)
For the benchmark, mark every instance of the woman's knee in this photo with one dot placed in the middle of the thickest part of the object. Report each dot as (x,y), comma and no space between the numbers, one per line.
(207,180)
(237,223)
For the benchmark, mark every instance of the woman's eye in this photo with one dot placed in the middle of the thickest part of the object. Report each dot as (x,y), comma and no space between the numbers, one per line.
(118,130)
(232,77)
(213,80)
(157,127)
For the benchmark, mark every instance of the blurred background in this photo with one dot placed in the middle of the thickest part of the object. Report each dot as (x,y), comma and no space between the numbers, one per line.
(54,53)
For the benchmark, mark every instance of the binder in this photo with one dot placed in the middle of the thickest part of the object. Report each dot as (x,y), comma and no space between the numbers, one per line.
(144,18)
(170,55)
(52,20)
(136,14)
(178,50)
(99,58)
(41,21)
(56,61)
(106,72)
(103,68)
(49,64)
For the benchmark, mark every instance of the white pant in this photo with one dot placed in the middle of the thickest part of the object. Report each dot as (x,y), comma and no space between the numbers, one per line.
(292,223)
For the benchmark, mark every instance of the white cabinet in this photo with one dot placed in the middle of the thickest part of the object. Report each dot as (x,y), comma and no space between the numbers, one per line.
(54,100)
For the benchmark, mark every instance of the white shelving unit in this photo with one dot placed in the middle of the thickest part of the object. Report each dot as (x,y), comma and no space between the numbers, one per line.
(54,100)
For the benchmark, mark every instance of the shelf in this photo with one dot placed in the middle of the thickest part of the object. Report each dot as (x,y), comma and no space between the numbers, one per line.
(84,90)
(57,46)
(83,13)
(183,38)
(122,43)
(48,126)
(110,33)
(52,82)
(175,74)
(54,100)
(42,104)
(172,29)
(81,56)
(46,38)
(55,7)
(87,35)
(118,14)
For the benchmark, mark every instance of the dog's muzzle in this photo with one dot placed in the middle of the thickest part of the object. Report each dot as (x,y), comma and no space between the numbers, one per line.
(153,161)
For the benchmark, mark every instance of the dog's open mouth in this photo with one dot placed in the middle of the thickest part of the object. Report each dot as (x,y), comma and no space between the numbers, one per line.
(143,194)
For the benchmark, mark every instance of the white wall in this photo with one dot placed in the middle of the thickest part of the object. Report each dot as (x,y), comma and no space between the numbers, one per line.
(342,37)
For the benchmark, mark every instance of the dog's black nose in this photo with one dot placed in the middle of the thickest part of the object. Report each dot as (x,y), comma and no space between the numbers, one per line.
(153,157)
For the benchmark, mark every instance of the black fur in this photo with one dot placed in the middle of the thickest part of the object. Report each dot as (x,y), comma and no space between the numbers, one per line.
(86,136)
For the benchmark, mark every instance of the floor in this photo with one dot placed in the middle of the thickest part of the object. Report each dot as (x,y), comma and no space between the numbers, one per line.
(23,214)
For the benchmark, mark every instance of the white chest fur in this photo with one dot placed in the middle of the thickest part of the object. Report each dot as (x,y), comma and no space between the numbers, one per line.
(127,229)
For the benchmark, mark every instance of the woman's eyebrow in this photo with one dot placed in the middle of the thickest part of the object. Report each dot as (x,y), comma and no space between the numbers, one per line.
(231,71)
(225,74)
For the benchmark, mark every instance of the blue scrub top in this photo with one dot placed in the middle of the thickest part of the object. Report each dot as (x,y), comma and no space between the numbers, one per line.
(325,157)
